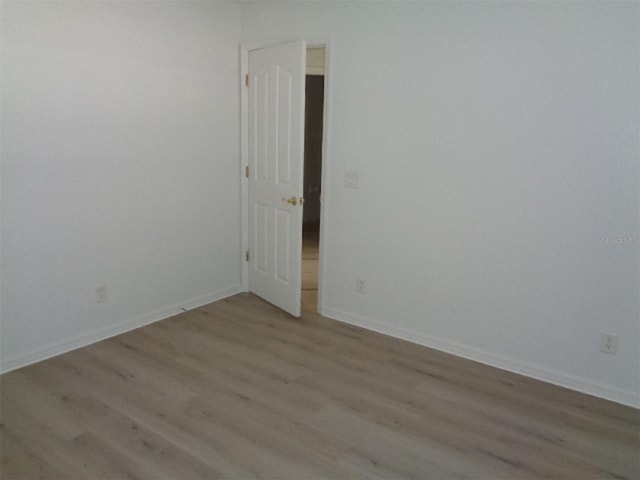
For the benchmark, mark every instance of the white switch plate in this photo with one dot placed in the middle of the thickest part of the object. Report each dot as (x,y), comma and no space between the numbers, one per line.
(351,179)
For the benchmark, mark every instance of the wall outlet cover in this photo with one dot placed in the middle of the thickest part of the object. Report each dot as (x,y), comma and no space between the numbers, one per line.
(351,179)
(609,343)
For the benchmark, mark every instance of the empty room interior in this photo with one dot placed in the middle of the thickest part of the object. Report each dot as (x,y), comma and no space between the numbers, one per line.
(456,187)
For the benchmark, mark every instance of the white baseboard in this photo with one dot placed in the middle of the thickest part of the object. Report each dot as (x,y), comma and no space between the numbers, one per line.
(99,334)
(580,384)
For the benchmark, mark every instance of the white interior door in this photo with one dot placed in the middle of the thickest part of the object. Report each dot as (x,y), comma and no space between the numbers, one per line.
(276,158)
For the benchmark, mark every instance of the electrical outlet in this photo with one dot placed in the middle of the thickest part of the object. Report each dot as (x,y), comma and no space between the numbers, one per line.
(361,286)
(101,294)
(351,179)
(609,343)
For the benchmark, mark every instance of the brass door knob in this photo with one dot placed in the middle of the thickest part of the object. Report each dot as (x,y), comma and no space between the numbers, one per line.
(293,200)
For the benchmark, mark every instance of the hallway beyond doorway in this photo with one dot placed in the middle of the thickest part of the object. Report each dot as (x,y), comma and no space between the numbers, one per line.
(310,254)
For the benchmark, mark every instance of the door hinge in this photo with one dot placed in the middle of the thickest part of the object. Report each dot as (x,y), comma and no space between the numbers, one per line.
(246,171)
(247,255)
(246,80)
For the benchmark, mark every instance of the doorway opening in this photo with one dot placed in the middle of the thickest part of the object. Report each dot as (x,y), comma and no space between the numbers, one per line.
(313,141)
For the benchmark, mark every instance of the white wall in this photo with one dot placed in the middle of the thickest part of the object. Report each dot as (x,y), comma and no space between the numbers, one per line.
(498,160)
(120,147)
(496,146)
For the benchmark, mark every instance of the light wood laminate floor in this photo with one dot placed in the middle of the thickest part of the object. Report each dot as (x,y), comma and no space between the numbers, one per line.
(238,389)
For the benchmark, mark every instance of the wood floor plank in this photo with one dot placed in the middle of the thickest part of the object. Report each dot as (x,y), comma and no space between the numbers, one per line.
(105,461)
(19,460)
(239,389)
(46,407)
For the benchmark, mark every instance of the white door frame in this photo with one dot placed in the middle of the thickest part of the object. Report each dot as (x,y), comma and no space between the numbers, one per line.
(245,48)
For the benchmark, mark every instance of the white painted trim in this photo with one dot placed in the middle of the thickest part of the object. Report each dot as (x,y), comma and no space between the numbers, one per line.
(99,334)
(326,167)
(244,162)
(573,382)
